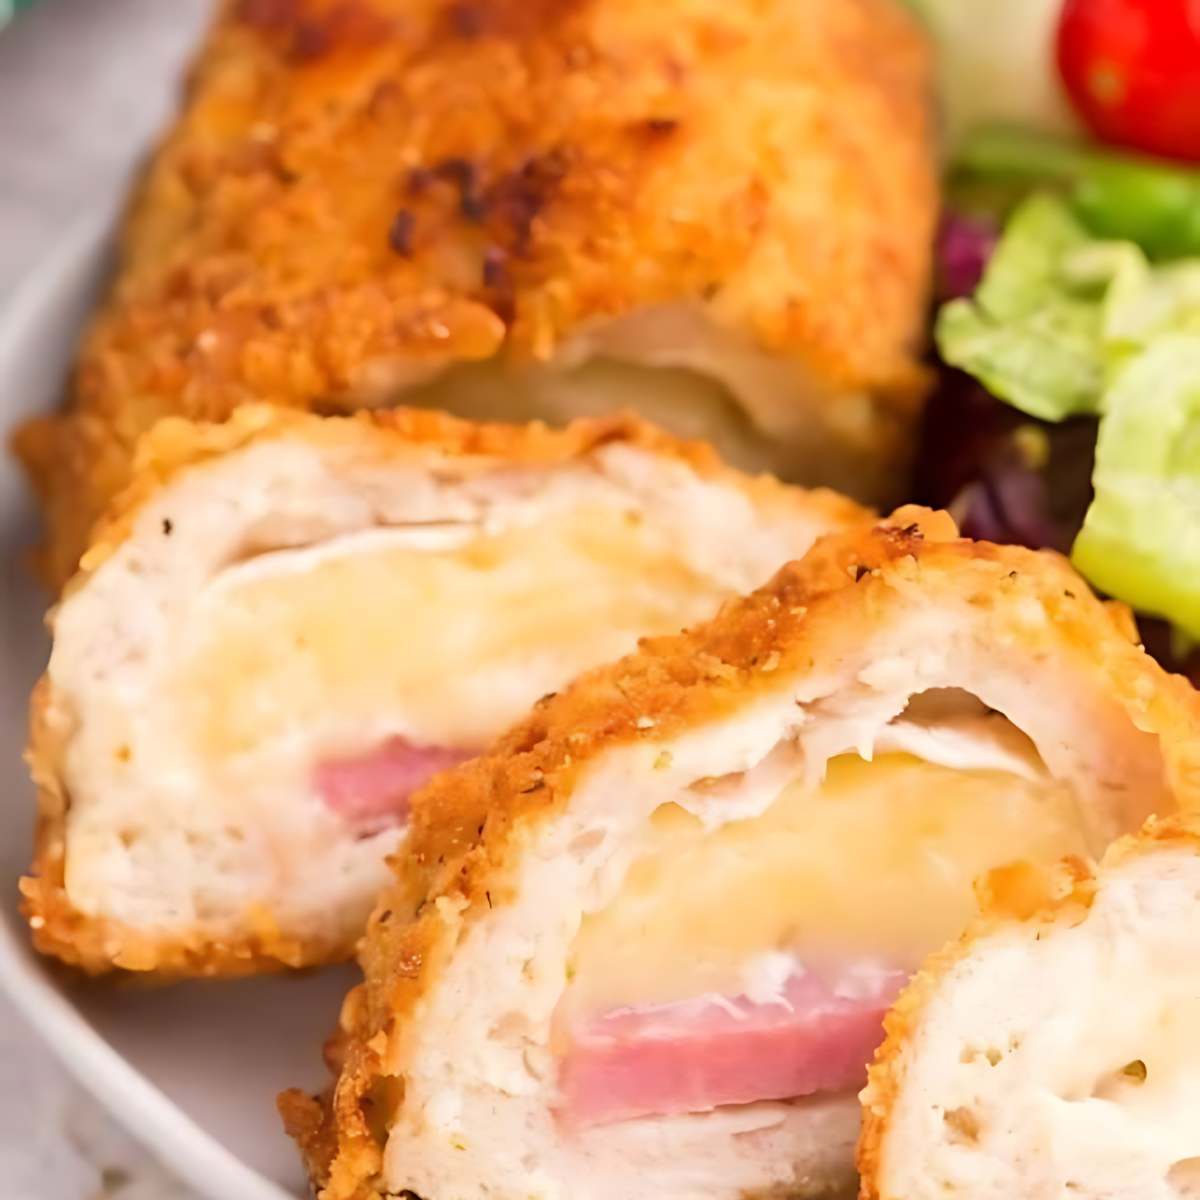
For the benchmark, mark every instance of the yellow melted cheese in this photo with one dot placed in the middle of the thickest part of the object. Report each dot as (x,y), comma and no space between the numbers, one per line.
(875,864)
(687,402)
(450,643)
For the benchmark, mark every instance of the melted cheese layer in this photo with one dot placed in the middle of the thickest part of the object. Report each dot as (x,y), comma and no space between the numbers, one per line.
(874,865)
(687,402)
(484,621)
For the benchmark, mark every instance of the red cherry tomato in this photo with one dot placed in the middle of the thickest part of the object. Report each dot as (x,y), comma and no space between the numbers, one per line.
(1132,69)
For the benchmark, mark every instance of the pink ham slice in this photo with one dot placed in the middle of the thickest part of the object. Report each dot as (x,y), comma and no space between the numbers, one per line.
(371,791)
(699,1054)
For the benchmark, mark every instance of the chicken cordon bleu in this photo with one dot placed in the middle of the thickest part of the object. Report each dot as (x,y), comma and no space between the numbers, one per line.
(290,622)
(644,949)
(717,212)
(1054,1052)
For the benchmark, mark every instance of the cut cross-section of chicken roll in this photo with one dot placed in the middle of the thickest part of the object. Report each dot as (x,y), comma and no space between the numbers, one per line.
(644,949)
(290,622)
(1055,1051)
(717,212)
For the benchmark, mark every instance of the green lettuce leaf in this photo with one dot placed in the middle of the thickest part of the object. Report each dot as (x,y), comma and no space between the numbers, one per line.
(1065,324)
(1117,195)
(1140,540)
(1141,537)
(1059,311)
(1032,334)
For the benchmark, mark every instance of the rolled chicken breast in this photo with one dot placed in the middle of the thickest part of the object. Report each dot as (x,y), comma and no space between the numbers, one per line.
(1054,1051)
(290,622)
(717,212)
(644,948)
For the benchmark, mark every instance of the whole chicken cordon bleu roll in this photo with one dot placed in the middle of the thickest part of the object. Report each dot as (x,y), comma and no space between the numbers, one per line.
(718,212)
(290,622)
(645,948)
(1054,1051)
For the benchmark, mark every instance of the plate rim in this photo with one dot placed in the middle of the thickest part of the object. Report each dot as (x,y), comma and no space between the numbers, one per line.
(172,1137)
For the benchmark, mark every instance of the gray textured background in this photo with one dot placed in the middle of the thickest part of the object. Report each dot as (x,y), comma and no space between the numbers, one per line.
(83,86)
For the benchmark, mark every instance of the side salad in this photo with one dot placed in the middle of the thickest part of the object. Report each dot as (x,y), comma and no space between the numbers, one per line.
(1068,326)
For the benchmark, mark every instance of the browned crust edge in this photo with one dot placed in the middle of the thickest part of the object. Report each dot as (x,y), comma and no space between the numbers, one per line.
(1035,896)
(97,945)
(367,183)
(462,847)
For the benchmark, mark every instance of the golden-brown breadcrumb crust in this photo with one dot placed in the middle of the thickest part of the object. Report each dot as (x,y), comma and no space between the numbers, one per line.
(1022,892)
(462,852)
(175,445)
(365,182)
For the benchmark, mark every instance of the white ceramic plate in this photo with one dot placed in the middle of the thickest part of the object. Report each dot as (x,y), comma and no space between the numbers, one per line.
(191,1070)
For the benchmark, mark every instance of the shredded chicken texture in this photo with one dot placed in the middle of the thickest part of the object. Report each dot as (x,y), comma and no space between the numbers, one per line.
(178,744)
(1052,1050)
(835,642)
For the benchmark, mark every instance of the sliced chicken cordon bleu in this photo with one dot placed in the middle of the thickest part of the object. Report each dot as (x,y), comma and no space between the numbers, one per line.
(718,212)
(1055,1051)
(290,622)
(644,949)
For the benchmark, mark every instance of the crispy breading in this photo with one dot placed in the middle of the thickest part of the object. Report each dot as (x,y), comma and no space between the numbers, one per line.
(355,189)
(1021,891)
(468,826)
(1033,896)
(96,944)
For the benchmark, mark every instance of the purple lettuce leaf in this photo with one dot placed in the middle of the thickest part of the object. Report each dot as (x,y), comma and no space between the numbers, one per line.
(1010,479)
(964,246)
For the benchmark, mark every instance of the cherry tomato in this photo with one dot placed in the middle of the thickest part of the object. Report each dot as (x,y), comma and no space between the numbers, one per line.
(1132,69)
